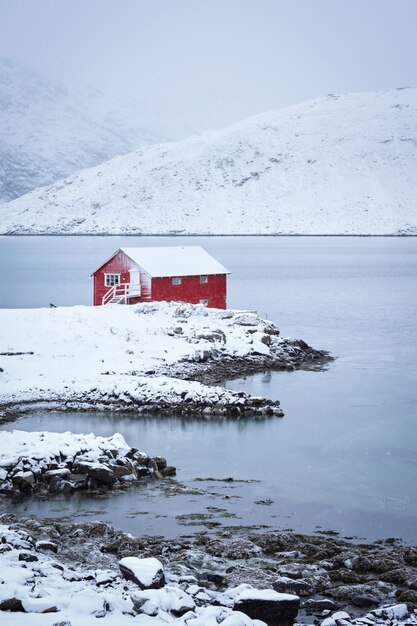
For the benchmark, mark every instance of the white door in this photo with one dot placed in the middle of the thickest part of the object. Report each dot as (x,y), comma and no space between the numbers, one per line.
(134,287)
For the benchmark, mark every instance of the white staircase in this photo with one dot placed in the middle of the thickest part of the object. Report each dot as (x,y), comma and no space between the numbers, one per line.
(120,294)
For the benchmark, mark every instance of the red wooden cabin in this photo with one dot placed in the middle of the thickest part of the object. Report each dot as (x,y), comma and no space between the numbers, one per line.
(181,274)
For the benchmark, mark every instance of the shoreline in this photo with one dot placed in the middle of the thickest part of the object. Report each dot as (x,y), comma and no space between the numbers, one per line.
(327,573)
(147,358)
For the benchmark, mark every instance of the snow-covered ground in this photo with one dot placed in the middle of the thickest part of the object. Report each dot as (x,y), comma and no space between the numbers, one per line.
(131,356)
(341,164)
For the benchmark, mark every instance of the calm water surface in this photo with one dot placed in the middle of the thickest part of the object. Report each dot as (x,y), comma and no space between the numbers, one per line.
(344,457)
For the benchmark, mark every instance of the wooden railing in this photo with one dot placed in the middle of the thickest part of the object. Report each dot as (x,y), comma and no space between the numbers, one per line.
(119,293)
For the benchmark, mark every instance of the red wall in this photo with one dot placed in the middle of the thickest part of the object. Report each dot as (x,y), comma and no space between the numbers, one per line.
(157,289)
(191,290)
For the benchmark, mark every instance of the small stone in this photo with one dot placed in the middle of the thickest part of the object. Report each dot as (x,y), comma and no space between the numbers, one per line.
(28,557)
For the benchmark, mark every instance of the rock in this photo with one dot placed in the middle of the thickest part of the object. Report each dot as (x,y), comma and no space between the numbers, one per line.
(364,600)
(24,481)
(14,605)
(409,596)
(64,623)
(169,599)
(47,545)
(45,604)
(146,573)
(120,471)
(98,472)
(392,612)
(59,485)
(28,557)
(88,601)
(297,586)
(267,605)
(316,606)
(161,463)
(78,481)
(169,471)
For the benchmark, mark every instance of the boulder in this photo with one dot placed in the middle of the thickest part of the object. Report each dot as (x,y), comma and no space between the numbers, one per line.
(47,545)
(24,481)
(98,472)
(14,605)
(170,599)
(300,587)
(146,573)
(268,605)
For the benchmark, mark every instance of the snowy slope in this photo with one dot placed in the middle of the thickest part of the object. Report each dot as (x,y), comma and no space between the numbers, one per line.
(342,164)
(48,131)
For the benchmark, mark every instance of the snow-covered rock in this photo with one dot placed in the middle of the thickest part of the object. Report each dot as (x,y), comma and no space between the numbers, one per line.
(79,462)
(146,573)
(268,605)
(341,164)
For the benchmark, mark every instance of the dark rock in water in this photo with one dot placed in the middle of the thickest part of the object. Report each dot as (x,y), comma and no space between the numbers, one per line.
(146,573)
(169,470)
(267,605)
(101,474)
(161,463)
(12,604)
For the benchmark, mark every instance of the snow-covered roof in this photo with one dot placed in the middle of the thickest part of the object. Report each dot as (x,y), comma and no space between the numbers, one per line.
(175,261)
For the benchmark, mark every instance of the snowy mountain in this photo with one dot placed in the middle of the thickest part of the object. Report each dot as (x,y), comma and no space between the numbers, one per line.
(342,164)
(48,131)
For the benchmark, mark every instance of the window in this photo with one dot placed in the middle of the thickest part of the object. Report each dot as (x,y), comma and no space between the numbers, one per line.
(176,280)
(110,280)
(203,279)
(204,302)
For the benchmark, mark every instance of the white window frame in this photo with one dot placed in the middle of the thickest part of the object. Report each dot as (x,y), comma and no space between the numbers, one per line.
(111,280)
(203,279)
(204,301)
(176,280)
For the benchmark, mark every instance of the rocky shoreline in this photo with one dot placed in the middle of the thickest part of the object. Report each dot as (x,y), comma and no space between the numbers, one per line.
(331,581)
(45,462)
(148,358)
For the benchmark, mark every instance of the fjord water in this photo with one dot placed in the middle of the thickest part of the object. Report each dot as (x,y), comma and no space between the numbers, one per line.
(344,457)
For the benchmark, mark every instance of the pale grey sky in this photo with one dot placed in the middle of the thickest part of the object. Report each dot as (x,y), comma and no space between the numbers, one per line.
(216,61)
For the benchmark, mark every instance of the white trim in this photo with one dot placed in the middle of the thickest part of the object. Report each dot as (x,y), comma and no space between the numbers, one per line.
(109,284)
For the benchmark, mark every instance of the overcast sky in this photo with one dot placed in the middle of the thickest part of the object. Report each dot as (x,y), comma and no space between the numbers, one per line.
(216,61)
